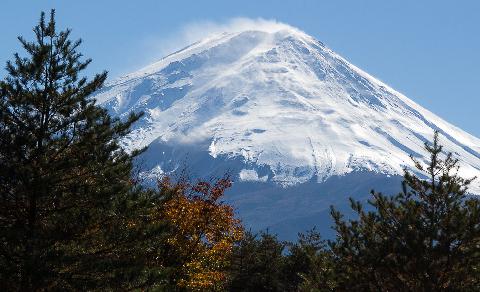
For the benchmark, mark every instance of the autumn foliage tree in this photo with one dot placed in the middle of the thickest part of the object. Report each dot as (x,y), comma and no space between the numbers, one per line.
(204,231)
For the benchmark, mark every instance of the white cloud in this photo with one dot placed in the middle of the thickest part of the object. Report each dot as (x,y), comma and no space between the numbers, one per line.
(154,47)
(195,31)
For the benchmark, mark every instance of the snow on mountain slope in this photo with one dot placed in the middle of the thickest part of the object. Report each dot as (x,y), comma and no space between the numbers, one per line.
(283,106)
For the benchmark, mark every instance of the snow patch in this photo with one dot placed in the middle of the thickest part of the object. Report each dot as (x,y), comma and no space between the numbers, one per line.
(212,149)
(251,175)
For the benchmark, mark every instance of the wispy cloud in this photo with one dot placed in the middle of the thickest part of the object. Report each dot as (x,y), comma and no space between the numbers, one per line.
(199,30)
(155,47)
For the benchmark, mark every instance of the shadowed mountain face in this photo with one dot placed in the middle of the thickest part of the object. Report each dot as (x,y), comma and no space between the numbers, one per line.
(297,126)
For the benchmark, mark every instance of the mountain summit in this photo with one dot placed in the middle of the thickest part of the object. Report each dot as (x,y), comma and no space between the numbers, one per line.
(279,111)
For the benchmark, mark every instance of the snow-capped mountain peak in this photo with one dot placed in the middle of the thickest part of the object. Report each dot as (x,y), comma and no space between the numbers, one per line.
(277,106)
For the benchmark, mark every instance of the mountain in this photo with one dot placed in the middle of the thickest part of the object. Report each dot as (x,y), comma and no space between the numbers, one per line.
(297,126)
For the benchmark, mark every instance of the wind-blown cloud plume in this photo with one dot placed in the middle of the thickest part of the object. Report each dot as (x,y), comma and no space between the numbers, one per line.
(154,48)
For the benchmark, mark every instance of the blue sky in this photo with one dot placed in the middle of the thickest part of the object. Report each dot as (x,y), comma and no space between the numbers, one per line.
(428,50)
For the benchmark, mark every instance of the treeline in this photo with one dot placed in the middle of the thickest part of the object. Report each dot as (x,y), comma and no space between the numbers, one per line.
(73,217)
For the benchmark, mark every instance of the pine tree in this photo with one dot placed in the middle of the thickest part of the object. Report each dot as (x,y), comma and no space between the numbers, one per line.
(69,212)
(310,265)
(426,238)
(258,264)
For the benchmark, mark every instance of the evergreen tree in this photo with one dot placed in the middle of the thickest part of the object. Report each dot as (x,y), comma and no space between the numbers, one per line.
(258,264)
(70,214)
(426,238)
(310,265)
(264,263)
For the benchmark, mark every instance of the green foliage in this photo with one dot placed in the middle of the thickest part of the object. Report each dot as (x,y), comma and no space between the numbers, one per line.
(258,264)
(70,215)
(263,263)
(424,239)
(313,263)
